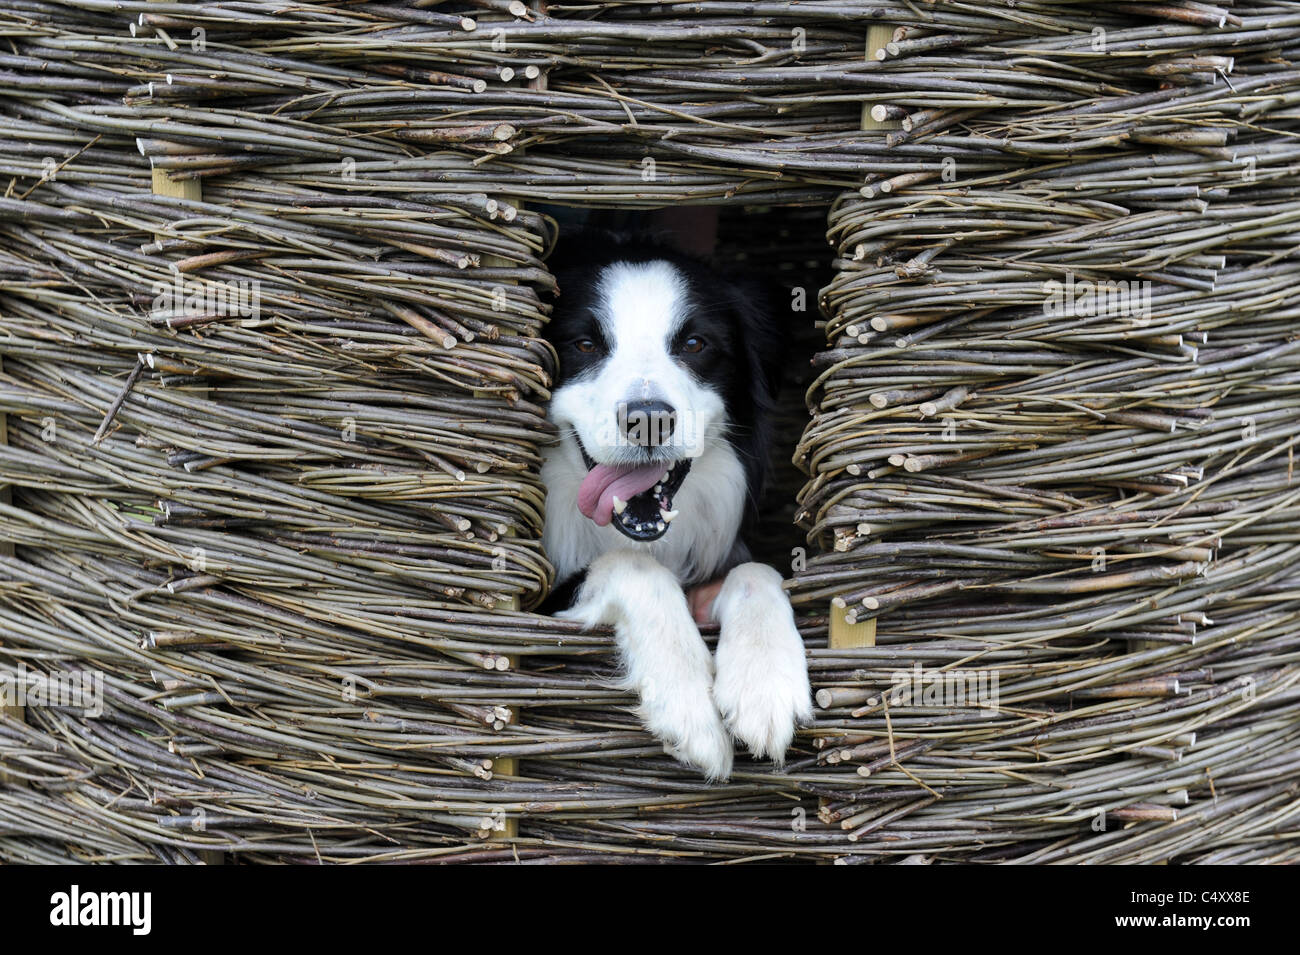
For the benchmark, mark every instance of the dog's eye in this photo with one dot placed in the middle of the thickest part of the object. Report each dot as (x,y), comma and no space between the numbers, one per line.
(693,345)
(585,345)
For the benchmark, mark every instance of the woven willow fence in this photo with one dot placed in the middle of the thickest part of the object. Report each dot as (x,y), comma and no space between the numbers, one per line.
(272,448)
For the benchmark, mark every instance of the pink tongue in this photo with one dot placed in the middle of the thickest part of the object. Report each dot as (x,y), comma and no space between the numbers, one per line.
(605,482)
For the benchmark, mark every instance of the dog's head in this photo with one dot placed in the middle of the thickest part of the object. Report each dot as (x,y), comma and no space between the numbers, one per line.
(662,360)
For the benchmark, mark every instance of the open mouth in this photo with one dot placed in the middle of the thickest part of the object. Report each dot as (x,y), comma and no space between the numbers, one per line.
(635,498)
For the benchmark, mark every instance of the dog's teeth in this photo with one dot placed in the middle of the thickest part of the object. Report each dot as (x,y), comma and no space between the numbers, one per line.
(660,526)
(664,479)
(619,506)
(667,515)
(658,488)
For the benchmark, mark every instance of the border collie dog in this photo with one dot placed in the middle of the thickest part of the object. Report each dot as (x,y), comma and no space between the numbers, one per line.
(667,373)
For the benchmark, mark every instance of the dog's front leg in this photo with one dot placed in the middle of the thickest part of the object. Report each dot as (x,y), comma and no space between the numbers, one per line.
(762,683)
(663,655)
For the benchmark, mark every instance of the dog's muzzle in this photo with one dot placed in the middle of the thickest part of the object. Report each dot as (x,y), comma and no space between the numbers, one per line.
(637,499)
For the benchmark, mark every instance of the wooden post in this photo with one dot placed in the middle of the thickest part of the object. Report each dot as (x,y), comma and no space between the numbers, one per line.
(165,185)
(510,766)
(7,549)
(7,546)
(507,766)
(877,36)
(844,635)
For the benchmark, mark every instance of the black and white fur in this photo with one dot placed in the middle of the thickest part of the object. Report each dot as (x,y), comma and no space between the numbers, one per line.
(636,321)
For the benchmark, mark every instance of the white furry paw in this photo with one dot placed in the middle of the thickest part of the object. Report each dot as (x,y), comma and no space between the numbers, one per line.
(761,687)
(665,660)
(685,718)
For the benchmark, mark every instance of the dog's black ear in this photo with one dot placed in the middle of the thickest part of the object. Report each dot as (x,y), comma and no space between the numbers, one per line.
(765,326)
(582,246)
(764,343)
(587,244)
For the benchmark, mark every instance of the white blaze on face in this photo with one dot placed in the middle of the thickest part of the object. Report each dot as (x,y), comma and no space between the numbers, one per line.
(640,306)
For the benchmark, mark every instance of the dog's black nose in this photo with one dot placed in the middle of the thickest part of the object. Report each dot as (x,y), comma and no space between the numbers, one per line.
(647,424)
